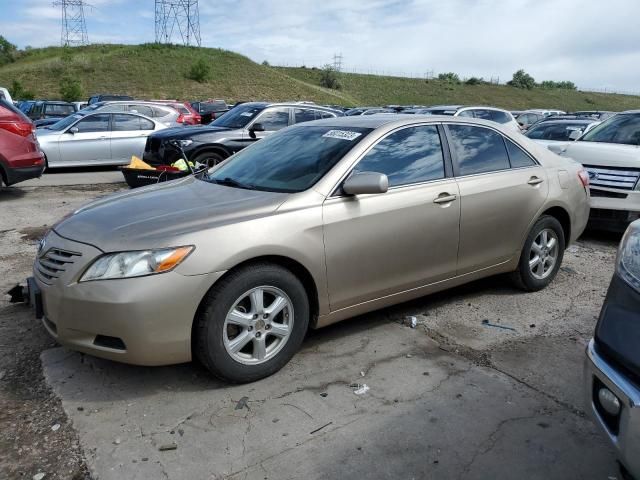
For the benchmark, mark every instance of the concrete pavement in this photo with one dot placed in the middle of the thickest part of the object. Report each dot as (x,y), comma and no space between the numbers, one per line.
(75,177)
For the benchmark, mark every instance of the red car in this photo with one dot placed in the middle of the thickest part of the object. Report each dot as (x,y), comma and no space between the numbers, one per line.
(20,155)
(188,116)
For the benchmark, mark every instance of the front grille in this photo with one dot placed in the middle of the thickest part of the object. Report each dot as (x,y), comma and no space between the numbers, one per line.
(53,263)
(613,177)
(607,194)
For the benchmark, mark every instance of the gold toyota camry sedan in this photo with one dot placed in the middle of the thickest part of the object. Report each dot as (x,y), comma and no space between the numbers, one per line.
(312,225)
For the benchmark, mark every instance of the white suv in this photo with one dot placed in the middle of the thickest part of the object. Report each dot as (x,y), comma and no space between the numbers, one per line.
(486,113)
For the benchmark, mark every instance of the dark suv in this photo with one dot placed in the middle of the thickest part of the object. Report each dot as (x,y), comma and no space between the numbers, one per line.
(236,129)
(50,109)
(20,155)
(210,110)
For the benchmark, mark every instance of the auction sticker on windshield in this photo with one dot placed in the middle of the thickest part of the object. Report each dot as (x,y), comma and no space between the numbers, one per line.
(342,134)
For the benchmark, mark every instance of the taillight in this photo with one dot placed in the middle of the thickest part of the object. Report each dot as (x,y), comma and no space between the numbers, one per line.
(584,178)
(24,129)
(180,118)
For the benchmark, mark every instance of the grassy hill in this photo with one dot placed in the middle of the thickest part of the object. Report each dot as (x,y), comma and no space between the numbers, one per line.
(159,71)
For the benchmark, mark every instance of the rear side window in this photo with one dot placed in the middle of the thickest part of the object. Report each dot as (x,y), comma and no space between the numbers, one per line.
(410,155)
(126,123)
(466,113)
(518,157)
(145,110)
(478,149)
(304,115)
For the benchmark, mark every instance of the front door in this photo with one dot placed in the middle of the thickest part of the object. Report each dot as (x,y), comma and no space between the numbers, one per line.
(87,142)
(378,245)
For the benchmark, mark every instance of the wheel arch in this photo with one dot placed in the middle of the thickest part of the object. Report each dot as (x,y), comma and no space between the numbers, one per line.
(295,267)
(212,148)
(562,215)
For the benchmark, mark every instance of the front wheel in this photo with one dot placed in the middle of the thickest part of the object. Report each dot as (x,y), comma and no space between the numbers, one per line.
(251,323)
(210,159)
(541,255)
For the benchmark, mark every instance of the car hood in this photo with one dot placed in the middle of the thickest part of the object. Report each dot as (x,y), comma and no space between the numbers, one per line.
(45,132)
(187,132)
(156,216)
(601,154)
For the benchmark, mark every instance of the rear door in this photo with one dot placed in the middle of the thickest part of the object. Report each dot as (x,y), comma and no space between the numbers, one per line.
(129,134)
(90,144)
(378,245)
(501,190)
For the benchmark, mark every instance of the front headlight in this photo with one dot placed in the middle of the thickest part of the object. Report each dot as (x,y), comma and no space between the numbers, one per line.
(184,143)
(136,264)
(628,261)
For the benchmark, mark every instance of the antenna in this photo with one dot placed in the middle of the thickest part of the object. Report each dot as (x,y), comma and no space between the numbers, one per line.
(337,61)
(74,28)
(182,14)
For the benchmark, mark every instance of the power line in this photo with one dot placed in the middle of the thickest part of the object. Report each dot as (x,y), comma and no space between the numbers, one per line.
(74,27)
(179,16)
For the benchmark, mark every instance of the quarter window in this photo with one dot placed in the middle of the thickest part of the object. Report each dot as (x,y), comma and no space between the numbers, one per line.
(94,123)
(274,119)
(518,156)
(410,155)
(478,149)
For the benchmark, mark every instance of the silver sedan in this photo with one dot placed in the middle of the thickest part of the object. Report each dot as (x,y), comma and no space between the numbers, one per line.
(86,139)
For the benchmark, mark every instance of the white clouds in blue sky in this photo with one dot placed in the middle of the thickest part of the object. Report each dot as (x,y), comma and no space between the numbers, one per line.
(593,43)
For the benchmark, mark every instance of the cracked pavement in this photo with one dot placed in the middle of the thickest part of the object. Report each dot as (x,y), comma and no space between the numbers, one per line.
(452,399)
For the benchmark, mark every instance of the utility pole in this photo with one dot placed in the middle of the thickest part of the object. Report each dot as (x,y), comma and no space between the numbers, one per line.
(74,27)
(180,15)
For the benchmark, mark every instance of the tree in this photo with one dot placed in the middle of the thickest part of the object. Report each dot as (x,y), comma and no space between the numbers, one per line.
(329,78)
(449,77)
(71,89)
(18,92)
(7,51)
(522,79)
(265,64)
(475,81)
(200,71)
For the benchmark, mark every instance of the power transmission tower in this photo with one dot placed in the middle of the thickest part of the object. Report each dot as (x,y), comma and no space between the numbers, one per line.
(180,15)
(74,28)
(337,61)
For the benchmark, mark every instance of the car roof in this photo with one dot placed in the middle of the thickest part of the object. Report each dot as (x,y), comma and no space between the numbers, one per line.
(398,120)
(584,121)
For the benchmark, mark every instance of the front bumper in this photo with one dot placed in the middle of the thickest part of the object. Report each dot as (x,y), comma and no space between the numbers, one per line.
(624,434)
(142,321)
(613,209)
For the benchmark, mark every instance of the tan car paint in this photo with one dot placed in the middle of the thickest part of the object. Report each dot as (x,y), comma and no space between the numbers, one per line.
(359,254)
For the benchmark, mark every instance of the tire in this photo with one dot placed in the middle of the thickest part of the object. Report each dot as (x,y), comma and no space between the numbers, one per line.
(216,334)
(209,159)
(532,276)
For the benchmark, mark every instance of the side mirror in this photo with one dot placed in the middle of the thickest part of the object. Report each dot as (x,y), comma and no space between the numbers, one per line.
(256,127)
(575,134)
(365,182)
(73,130)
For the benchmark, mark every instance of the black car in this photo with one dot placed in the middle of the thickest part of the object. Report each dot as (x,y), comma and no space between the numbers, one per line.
(236,129)
(612,369)
(210,110)
(107,97)
(43,109)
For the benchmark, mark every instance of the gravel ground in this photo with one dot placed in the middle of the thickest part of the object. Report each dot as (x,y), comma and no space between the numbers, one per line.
(543,336)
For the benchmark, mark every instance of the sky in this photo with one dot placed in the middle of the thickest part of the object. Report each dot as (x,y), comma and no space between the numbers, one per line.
(594,43)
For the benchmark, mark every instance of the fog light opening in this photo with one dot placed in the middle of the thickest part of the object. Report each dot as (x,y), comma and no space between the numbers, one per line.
(609,401)
(113,343)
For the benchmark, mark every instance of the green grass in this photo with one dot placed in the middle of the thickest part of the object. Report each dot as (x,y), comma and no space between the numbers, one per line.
(159,71)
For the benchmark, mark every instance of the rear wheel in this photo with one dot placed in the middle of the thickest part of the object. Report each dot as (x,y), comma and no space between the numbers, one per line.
(541,255)
(252,323)
(209,159)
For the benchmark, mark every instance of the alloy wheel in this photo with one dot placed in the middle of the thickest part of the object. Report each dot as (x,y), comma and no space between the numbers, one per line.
(544,254)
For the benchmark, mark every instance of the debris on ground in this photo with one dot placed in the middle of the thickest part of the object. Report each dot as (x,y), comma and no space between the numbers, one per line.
(39,476)
(242,403)
(117,441)
(55,427)
(168,446)
(318,429)
(324,394)
(361,389)
(411,321)
(486,323)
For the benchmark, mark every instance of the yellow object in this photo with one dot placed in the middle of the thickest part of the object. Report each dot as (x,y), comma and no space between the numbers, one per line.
(182,165)
(139,164)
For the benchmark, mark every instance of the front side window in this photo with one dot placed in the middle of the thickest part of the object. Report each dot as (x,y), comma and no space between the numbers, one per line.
(478,149)
(93,123)
(292,160)
(623,128)
(410,155)
(274,119)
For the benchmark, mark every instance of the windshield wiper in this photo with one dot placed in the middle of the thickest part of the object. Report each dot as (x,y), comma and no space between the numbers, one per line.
(233,183)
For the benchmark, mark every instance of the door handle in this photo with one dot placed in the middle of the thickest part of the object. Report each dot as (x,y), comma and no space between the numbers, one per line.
(535,181)
(444,198)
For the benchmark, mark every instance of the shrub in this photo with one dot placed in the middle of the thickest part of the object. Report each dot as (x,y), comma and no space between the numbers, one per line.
(522,79)
(329,78)
(475,81)
(449,77)
(18,92)
(199,71)
(70,89)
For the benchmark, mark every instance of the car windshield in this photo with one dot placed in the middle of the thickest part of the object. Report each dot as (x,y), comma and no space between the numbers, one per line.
(555,131)
(65,122)
(623,128)
(291,160)
(238,116)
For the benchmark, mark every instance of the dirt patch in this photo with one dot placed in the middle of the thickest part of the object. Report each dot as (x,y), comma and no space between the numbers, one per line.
(34,233)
